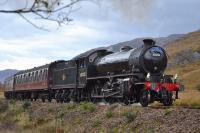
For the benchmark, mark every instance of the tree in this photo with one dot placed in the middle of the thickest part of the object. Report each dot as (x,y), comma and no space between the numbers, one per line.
(52,10)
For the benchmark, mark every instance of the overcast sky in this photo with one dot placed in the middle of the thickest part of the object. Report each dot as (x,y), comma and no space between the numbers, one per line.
(95,24)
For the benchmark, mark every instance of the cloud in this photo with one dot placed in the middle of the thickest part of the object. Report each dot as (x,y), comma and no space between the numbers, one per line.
(62,44)
(22,63)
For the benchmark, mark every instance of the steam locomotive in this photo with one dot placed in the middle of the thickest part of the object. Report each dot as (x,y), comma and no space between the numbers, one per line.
(133,75)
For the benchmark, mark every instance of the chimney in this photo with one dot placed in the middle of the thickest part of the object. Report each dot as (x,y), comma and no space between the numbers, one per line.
(149,42)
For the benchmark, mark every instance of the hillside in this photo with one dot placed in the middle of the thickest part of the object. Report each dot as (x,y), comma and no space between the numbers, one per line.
(185,50)
(161,41)
(185,59)
(6,73)
(87,117)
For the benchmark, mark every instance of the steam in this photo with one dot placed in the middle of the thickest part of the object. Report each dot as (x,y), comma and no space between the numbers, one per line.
(131,10)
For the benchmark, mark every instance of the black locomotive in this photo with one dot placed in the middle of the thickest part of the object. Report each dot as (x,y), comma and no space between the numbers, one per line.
(128,76)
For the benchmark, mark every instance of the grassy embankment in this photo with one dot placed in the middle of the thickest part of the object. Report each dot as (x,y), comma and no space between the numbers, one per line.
(58,118)
(1,94)
(38,117)
(189,76)
(189,73)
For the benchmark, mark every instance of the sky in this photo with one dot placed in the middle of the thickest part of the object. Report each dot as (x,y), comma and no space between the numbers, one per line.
(95,24)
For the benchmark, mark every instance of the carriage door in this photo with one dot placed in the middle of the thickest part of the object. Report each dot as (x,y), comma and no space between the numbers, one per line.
(82,73)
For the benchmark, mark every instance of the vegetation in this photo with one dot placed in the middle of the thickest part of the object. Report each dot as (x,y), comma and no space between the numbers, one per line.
(189,75)
(131,115)
(87,107)
(96,123)
(26,104)
(109,114)
(198,87)
(49,117)
(168,111)
(191,41)
(189,98)
(71,106)
(3,106)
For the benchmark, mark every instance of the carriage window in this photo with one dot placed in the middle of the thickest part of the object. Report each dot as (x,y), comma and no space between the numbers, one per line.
(40,75)
(20,79)
(36,76)
(30,80)
(25,78)
(43,75)
(17,79)
(33,77)
(46,73)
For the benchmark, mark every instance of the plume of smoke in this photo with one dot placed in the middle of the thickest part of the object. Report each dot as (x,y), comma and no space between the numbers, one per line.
(132,10)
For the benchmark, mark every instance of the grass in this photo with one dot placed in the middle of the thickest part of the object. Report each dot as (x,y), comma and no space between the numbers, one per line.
(189,98)
(168,111)
(189,74)
(3,105)
(130,115)
(71,106)
(198,87)
(87,107)
(26,105)
(192,41)
(50,117)
(96,123)
(109,114)
(114,130)
(1,94)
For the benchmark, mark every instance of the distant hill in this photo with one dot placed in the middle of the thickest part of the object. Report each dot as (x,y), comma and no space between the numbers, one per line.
(161,41)
(184,50)
(6,73)
(184,59)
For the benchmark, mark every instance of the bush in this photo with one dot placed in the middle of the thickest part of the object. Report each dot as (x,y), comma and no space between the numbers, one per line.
(168,111)
(26,104)
(13,102)
(195,105)
(89,107)
(96,123)
(198,87)
(109,114)
(131,116)
(114,130)
(71,106)
(3,106)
